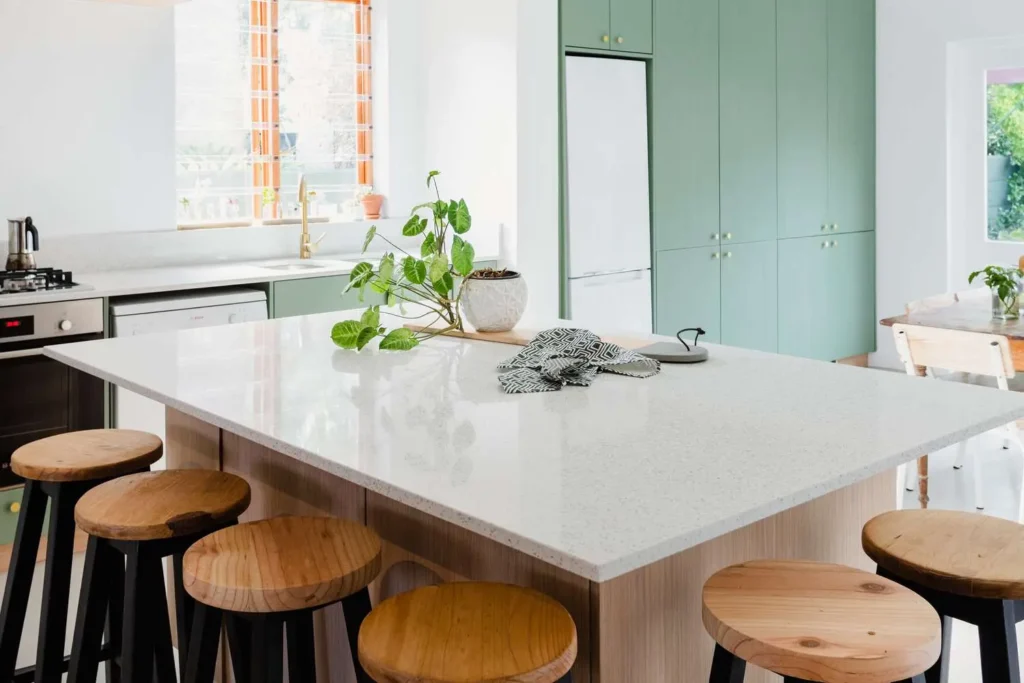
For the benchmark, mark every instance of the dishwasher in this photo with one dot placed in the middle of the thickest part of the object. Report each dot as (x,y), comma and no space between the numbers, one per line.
(166,313)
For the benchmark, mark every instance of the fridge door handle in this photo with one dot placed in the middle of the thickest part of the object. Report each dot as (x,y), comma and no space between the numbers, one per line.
(620,271)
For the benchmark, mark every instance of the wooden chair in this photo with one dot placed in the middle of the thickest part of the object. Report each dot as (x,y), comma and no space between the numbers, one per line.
(810,621)
(58,471)
(921,348)
(968,567)
(465,632)
(268,577)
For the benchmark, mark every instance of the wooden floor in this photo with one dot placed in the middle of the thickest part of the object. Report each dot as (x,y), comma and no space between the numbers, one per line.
(642,626)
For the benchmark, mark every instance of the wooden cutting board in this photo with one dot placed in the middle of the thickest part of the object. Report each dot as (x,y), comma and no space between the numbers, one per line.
(521,336)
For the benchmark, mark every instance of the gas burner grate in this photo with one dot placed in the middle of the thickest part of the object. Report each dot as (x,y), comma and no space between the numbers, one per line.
(35,280)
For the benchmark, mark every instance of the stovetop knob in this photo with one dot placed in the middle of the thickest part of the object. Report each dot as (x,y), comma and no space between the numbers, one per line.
(65,325)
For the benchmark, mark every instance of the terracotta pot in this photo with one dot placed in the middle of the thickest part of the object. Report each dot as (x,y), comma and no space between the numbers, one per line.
(494,304)
(371,205)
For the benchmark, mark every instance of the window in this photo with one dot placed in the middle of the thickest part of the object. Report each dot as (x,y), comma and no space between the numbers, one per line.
(267,90)
(1006,155)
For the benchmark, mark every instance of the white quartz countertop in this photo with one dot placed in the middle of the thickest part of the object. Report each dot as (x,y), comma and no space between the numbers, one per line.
(598,481)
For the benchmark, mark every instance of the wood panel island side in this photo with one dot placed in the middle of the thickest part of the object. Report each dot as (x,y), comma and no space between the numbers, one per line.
(618,500)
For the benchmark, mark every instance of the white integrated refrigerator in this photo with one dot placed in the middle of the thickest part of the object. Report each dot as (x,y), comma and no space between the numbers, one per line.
(609,219)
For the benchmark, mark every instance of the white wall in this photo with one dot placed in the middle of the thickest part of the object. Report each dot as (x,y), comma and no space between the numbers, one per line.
(917,252)
(86,116)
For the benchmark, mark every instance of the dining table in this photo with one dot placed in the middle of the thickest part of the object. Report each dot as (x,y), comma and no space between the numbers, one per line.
(966,314)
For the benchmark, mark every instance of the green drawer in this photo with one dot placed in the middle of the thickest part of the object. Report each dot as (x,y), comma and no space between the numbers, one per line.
(10,504)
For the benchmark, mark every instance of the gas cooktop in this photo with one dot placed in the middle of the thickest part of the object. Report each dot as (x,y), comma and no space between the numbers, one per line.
(35,280)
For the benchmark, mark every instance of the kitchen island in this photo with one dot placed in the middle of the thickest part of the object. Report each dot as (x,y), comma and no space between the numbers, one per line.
(618,500)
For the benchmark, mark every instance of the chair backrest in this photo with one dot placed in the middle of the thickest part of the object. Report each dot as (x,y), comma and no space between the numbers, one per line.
(976,294)
(937,301)
(972,352)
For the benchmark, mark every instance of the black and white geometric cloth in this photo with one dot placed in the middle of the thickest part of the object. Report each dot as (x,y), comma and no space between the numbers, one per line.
(561,356)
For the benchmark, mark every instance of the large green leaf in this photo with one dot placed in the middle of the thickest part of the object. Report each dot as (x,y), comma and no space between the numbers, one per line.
(438,267)
(415,270)
(429,245)
(414,226)
(346,334)
(440,210)
(371,317)
(461,221)
(444,285)
(462,256)
(365,335)
(370,234)
(360,275)
(387,267)
(431,176)
(401,339)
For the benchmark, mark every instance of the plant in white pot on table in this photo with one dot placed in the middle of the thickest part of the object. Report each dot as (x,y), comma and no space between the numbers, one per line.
(428,280)
(494,300)
(1005,285)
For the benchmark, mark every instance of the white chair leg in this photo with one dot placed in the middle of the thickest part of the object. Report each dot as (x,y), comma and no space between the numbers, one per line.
(961,454)
(910,476)
(1013,434)
(979,497)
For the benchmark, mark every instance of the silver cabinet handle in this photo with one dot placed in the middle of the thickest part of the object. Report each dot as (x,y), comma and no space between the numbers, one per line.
(835,226)
(728,254)
(824,227)
(715,236)
(825,244)
(620,40)
(715,255)
(727,235)
(835,243)
(605,38)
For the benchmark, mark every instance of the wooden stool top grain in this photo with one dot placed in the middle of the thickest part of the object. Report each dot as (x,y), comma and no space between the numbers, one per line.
(282,564)
(821,622)
(963,553)
(87,455)
(165,504)
(468,632)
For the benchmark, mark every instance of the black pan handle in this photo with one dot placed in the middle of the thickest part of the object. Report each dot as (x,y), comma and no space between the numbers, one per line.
(30,229)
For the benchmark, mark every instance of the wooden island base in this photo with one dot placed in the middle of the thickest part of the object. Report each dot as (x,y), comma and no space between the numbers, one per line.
(642,627)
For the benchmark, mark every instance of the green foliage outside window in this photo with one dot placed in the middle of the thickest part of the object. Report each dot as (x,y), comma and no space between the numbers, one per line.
(1006,138)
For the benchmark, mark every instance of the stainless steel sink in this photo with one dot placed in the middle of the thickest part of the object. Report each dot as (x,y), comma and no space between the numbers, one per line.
(295,267)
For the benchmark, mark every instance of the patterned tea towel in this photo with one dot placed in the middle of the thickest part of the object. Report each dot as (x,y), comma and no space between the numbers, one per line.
(561,356)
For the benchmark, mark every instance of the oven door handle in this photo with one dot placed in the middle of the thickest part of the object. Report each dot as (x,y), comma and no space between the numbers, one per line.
(23,353)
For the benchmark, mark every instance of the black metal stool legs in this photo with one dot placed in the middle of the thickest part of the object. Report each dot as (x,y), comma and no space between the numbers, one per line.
(19,577)
(156,598)
(997,634)
(115,612)
(726,667)
(93,603)
(356,607)
(939,673)
(267,649)
(239,643)
(301,648)
(184,609)
(137,654)
(60,549)
(203,644)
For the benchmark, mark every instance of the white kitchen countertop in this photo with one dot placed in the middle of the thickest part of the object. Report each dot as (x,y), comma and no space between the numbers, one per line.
(598,481)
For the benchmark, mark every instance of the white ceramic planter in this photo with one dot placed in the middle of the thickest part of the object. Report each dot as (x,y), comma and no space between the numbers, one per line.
(494,305)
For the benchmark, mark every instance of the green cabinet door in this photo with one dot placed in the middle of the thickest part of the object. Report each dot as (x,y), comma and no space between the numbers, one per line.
(750,295)
(803,117)
(632,26)
(318,295)
(585,23)
(748,135)
(684,125)
(688,291)
(827,296)
(805,316)
(851,114)
(852,293)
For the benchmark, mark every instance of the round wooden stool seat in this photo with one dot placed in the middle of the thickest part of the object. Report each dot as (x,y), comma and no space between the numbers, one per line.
(166,504)
(282,564)
(821,622)
(466,633)
(87,455)
(963,553)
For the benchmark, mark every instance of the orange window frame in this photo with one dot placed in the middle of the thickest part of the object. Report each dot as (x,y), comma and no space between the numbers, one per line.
(265,103)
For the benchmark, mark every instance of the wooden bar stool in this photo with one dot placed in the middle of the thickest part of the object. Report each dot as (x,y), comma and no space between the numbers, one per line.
(468,632)
(58,470)
(264,577)
(969,567)
(141,519)
(809,621)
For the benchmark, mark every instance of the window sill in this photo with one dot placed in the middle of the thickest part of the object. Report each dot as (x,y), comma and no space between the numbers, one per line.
(210,225)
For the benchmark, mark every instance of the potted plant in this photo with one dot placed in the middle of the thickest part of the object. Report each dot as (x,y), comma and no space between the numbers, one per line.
(494,300)
(428,279)
(371,202)
(1005,285)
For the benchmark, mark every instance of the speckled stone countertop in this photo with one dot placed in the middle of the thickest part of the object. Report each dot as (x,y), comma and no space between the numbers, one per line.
(598,481)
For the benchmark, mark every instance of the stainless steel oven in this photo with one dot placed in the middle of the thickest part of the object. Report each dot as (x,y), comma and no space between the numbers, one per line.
(40,397)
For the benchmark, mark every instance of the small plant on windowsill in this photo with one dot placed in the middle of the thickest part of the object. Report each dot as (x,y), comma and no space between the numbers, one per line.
(1005,284)
(427,280)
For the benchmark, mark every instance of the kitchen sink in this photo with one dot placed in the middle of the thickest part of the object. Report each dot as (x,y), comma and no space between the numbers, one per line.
(295,267)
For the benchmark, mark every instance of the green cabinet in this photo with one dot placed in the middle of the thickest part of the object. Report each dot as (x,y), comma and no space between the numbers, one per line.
(749,295)
(851,114)
(688,291)
(616,25)
(803,117)
(827,296)
(747,137)
(684,125)
(317,295)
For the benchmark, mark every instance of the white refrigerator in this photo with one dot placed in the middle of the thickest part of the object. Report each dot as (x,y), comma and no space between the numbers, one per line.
(609,219)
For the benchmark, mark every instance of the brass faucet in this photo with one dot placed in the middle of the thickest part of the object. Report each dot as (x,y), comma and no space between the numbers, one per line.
(306,247)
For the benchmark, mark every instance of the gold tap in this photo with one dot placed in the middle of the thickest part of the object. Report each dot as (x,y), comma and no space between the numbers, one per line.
(306,247)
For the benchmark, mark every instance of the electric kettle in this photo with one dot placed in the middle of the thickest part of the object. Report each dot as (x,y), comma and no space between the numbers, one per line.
(19,256)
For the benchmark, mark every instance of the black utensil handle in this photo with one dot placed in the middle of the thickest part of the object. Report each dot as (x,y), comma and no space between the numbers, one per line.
(30,228)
